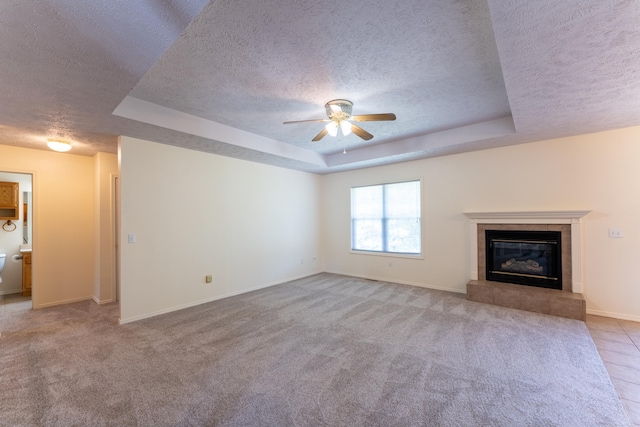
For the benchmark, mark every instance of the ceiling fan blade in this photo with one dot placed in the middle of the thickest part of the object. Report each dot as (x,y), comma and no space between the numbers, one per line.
(374,117)
(321,135)
(361,132)
(305,121)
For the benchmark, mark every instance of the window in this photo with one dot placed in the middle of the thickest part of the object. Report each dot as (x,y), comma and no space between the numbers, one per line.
(386,218)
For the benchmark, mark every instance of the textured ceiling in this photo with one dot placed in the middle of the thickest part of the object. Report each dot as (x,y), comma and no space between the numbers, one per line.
(222,76)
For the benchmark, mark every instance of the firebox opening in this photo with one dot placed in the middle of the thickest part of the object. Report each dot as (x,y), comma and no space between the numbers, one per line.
(531,258)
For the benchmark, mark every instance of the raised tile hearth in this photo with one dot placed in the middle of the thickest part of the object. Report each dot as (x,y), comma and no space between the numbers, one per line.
(568,302)
(539,300)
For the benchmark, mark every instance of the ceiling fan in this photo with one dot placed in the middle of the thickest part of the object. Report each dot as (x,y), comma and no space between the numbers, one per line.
(340,118)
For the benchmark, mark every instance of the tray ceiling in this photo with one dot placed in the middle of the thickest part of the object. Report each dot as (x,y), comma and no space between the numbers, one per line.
(221,77)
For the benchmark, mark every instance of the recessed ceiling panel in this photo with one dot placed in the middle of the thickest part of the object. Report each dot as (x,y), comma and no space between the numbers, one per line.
(432,63)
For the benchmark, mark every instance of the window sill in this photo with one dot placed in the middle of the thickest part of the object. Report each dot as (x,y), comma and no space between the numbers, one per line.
(387,254)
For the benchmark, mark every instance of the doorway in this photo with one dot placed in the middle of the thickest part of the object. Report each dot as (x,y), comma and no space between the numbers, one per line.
(16,240)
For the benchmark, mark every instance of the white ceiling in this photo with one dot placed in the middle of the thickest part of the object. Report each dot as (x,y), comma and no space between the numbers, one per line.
(222,76)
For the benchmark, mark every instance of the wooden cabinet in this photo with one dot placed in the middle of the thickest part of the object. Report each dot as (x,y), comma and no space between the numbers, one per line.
(9,200)
(26,274)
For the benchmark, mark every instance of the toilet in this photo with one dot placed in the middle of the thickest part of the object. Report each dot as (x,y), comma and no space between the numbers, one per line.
(2,257)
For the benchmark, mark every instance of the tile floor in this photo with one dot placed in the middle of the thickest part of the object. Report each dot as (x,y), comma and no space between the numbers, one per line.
(617,341)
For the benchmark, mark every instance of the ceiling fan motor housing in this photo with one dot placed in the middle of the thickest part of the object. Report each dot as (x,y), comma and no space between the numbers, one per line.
(339,114)
(339,109)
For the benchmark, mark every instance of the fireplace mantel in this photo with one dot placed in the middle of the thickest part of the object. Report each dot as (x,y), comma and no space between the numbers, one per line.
(573,217)
(530,217)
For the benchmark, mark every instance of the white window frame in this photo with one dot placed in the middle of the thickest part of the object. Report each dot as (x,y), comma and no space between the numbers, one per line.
(417,255)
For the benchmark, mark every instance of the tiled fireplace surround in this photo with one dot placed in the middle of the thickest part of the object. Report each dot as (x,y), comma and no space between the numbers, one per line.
(568,302)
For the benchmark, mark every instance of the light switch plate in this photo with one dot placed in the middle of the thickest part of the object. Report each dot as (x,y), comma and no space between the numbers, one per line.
(616,233)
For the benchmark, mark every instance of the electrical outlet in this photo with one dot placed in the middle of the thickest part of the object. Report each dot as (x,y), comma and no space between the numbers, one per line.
(208,278)
(390,264)
(131,238)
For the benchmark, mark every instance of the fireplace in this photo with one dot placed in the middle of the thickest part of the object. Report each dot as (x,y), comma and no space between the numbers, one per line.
(531,258)
(543,246)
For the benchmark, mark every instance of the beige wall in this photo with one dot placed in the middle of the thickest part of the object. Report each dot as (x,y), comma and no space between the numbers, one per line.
(252,225)
(248,225)
(598,172)
(63,240)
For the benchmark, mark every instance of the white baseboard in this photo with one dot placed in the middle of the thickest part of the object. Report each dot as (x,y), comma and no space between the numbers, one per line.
(66,301)
(613,315)
(266,285)
(463,291)
(206,300)
(402,282)
(99,302)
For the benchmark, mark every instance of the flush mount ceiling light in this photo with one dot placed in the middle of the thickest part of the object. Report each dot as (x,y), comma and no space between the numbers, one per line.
(59,146)
(340,118)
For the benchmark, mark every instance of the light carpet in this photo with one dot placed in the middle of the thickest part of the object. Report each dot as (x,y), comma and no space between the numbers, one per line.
(327,350)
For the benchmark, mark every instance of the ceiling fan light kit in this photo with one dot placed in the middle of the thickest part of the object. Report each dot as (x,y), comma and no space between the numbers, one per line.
(340,120)
(333,126)
(345,127)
